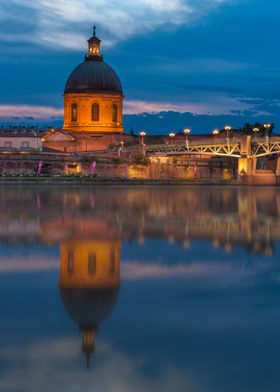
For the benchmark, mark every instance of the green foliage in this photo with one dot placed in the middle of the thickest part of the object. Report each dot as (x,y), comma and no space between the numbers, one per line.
(129,143)
(141,159)
(247,129)
(118,161)
(91,158)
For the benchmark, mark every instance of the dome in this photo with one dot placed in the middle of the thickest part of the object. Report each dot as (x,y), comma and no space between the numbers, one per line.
(91,76)
(89,307)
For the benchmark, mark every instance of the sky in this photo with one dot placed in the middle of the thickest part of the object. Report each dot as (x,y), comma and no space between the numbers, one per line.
(184,63)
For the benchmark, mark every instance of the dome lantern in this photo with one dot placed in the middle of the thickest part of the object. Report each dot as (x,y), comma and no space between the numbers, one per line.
(94,52)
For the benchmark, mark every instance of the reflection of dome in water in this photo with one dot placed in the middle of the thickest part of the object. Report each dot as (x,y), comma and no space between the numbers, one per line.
(89,307)
(89,284)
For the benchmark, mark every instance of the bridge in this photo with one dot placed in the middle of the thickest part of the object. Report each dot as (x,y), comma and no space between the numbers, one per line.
(236,147)
(246,149)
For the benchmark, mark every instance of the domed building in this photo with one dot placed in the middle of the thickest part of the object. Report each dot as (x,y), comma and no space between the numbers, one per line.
(93,95)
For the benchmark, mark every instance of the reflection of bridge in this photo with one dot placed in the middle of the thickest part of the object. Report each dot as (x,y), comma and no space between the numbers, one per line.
(245,148)
(237,147)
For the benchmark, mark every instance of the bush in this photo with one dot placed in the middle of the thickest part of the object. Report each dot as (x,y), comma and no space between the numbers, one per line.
(141,159)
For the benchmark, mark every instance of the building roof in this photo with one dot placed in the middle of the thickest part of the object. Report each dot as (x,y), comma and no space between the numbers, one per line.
(93,75)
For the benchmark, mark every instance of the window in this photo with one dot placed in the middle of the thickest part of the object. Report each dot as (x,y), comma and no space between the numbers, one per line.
(8,144)
(70,262)
(74,112)
(95,112)
(25,144)
(92,263)
(112,262)
(115,113)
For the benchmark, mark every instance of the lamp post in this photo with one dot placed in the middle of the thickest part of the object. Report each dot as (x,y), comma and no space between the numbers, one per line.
(256,130)
(172,135)
(142,134)
(187,131)
(216,133)
(228,128)
(267,127)
(120,149)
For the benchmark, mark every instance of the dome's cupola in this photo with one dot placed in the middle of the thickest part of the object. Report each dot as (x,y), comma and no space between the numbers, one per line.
(94,42)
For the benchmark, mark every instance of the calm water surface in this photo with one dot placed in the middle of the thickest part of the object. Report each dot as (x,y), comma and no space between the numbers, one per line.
(139,289)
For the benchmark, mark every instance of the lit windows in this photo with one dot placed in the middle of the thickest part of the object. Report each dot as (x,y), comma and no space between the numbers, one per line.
(74,112)
(92,263)
(115,113)
(112,262)
(70,262)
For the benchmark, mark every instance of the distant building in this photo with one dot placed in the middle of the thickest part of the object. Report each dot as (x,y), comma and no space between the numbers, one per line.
(20,142)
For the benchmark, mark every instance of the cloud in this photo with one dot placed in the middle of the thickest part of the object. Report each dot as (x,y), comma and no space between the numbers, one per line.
(28,264)
(37,112)
(211,274)
(62,23)
(218,104)
(138,270)
(56,364)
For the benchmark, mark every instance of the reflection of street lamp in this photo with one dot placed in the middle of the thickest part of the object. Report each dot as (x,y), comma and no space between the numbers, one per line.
(216,133)
(187,131)
(267,127)
(228,128)
(172,135)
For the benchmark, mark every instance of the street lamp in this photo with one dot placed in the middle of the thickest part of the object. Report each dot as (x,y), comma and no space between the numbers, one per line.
(256,130)
(267,127)
(216,133)
(228,128)
(172,135)
(120,149)
(187,131)
(142,134)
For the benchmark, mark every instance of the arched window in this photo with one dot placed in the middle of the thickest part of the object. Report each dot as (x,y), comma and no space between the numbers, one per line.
(95,112)
(74,112)
(70,262)
(92,263)
(112,262)
(115,113)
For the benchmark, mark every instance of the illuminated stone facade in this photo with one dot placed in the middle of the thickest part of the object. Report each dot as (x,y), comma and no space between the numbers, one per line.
(93,97)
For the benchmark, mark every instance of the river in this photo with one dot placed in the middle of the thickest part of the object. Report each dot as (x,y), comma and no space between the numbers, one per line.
(139,289)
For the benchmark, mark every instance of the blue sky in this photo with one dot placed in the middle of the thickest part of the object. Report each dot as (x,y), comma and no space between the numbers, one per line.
(209,62)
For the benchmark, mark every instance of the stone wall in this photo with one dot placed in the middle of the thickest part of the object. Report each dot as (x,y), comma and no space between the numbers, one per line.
(71,165)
